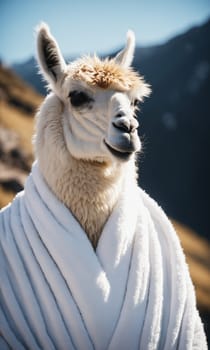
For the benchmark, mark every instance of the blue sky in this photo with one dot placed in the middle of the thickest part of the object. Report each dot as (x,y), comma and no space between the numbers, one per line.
(94,26)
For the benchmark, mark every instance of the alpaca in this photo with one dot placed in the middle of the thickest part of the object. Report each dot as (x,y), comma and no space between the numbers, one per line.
(90,125)
(88,260)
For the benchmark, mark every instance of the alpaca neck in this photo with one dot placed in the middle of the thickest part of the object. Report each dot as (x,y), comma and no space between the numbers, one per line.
(89,189)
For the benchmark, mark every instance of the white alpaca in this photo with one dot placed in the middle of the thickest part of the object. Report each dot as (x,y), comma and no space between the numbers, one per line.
(86,136)
(133,290)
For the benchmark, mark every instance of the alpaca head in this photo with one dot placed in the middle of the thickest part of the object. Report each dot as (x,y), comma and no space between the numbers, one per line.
(99,100)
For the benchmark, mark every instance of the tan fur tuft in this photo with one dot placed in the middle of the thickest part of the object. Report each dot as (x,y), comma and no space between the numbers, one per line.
(105,74)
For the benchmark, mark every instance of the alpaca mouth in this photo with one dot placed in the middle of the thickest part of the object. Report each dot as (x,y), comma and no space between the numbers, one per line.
(121,154)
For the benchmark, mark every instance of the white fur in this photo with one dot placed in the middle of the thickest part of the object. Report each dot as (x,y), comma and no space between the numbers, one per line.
(125,57)
(44,32)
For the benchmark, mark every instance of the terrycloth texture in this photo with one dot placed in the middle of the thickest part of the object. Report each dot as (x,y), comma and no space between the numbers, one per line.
(57,293)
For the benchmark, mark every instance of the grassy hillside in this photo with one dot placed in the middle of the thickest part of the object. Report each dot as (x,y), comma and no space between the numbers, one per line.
(18,103)
(197,252)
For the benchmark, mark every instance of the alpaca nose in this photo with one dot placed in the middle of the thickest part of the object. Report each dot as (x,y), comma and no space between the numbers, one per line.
(125,124)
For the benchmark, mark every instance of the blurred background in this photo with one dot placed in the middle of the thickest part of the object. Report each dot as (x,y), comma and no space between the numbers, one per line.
(173,54)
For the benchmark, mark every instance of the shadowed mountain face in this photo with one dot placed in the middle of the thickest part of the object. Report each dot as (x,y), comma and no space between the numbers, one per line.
(174,124)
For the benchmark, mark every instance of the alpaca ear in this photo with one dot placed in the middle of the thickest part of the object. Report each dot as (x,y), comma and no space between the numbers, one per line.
(125,57)
(50,59)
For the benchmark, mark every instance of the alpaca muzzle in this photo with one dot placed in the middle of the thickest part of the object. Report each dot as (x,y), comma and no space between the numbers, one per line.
(123,138)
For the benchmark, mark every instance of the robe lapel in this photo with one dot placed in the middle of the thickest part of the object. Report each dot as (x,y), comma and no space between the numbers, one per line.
(97,280)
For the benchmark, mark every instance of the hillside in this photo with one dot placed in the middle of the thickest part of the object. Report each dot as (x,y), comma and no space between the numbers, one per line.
(16,128)
(18,103)
(174,124)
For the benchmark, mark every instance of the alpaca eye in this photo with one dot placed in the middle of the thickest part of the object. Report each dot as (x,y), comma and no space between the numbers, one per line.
(79,98)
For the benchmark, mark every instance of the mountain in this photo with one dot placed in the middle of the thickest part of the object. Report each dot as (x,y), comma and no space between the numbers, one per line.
(174,124)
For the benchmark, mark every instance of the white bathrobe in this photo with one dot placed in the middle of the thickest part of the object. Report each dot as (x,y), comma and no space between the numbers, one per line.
(56,292)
